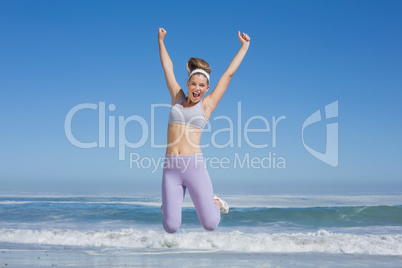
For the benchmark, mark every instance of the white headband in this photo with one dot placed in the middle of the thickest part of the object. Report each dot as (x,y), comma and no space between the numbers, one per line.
(199,71)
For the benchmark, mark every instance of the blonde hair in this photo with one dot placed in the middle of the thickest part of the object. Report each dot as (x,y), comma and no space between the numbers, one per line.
(196,63)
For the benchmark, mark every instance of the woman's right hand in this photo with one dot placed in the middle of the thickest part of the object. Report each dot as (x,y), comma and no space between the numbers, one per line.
(161,34)
(244,39)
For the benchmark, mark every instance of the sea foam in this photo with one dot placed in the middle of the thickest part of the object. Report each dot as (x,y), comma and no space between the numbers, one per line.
(321,241)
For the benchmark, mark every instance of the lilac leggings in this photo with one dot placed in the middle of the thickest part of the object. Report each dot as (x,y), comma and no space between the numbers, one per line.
(181,172)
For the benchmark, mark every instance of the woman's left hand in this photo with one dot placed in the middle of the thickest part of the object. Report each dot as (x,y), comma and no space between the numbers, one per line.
(244,39)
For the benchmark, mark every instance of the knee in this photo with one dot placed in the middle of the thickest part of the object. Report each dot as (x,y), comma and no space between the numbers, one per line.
(210,224)
(171,228)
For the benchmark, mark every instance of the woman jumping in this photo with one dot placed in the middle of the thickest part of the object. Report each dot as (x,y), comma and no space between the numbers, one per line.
(184,166)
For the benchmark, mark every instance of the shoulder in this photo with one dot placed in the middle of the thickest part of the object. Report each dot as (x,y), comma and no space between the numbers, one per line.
(180,95)
(207,106)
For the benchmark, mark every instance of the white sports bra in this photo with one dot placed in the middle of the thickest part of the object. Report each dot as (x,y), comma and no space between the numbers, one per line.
(191,116)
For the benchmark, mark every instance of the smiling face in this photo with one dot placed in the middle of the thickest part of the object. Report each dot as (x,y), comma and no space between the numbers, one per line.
(197,87)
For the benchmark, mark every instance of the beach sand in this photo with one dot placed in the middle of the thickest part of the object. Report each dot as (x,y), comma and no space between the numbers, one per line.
(51,256)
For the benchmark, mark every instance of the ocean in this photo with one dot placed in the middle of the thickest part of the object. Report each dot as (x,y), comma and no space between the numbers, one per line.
(266,231)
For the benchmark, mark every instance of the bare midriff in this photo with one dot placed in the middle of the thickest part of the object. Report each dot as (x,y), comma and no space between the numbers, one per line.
(183,139)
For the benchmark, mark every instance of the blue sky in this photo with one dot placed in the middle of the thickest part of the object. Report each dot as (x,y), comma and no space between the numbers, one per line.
(303,55)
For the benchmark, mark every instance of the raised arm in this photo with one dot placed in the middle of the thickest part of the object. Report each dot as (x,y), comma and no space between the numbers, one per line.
(167,66)
(216,95)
